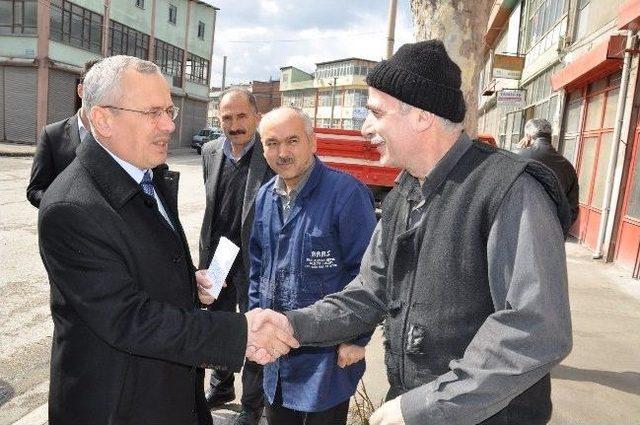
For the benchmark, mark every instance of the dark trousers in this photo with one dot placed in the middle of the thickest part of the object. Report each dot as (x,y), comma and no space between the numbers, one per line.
(237,293)
(279,415)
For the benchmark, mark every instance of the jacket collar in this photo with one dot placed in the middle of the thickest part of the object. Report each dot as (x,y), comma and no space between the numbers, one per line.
(71,128)
(307,190)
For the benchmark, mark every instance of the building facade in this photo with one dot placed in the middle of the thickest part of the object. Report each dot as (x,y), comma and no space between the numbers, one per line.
(44,45)
(267,94)
(335,96)
(574,62)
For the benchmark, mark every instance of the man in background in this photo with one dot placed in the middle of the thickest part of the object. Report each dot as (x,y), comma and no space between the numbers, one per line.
(234,168)
(57,147)
(536,145)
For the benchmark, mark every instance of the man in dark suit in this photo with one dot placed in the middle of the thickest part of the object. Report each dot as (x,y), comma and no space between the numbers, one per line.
(57,147)
(234,169)
(129,339)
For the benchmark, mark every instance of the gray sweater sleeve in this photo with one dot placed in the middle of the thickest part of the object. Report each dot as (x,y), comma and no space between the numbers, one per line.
(529,332)
(355,310)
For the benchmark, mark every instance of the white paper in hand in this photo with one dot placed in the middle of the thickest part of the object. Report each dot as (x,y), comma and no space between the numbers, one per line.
(220,265)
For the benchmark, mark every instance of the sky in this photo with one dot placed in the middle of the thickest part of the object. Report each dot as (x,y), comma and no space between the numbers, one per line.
(261,36)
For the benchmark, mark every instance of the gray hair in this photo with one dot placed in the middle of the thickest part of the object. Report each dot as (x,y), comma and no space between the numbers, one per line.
(537,127)
(447,125)
(102,84)
(250,97)
(450,126)
(308,122)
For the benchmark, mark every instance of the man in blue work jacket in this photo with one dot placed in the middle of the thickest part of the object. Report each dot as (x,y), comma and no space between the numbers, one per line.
(312,225)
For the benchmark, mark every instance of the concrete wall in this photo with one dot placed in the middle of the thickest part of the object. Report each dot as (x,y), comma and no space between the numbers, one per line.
(68,54)
(93,5)
(205,14)
(126,12)
(18,47)
(345,80)
(196,89)
(167,32)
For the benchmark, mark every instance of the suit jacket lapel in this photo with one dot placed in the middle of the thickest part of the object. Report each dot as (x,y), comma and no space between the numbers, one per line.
(167,183)
(216,158)
(72,132)
(257,168)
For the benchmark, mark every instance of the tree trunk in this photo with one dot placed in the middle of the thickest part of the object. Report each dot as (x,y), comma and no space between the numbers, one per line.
(461,25)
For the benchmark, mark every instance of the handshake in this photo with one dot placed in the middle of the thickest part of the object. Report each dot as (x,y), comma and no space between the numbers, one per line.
(269,334)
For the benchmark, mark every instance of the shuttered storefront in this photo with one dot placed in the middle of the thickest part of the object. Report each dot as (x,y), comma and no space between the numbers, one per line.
(62,95)
(194,119)
(175,142)
(20,94)
(2,101)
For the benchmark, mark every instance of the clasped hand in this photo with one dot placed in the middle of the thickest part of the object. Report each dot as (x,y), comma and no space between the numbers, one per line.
(269,336)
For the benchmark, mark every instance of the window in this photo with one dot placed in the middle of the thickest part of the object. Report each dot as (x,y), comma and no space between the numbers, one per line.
(582,18)
(173,14)
(124,40)
(197,69)
(18,17)
(169,58)
(201,30)
(356,98)
(324,98)
(140,4)
(76,26)
(545,23)
(309,99)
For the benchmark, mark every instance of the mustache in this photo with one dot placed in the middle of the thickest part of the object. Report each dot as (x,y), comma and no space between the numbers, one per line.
(284,161)
(236,132)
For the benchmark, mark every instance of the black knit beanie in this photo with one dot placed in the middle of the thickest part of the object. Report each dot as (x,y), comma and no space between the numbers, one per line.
(423,75)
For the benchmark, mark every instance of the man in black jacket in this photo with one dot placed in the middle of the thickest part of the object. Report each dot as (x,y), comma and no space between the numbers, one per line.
(129,340)
(234,168)
(537,145)
(57,147)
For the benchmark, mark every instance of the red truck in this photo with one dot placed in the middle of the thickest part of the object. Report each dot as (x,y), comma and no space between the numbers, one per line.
(348,151)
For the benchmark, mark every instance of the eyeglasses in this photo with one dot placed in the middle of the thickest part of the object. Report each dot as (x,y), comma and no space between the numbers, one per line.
(153,114)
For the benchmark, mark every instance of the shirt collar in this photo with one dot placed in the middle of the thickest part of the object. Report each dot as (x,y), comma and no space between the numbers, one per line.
(82,130)
(226,148)
(280,186)
(136,173)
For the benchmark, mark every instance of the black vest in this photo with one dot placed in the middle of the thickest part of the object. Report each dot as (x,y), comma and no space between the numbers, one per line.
(438,287)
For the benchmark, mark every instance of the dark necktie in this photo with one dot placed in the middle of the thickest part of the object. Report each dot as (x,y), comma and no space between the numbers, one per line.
(149,189)
(147,184)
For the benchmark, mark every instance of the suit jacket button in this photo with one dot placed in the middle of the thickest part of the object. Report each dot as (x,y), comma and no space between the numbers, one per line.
(177,258)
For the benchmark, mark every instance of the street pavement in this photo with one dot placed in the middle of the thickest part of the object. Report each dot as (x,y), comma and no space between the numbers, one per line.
(599,383)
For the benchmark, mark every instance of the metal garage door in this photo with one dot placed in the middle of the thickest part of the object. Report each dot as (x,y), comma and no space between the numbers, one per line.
(2,100)
(20,87)
(62,95)
(174,143)
(194,119)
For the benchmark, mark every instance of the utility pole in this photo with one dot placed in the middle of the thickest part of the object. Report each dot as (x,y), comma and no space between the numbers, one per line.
(333,100)
(391,31)
(224,72)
